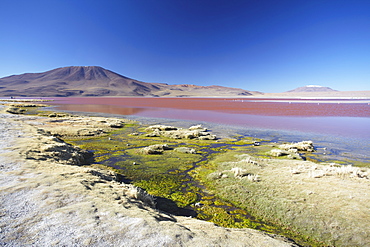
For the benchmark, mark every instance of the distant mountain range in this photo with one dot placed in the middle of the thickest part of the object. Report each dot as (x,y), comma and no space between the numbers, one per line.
(97,81)
(315,91)
(312,88)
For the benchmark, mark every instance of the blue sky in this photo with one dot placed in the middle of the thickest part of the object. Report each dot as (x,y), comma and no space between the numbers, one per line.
(267,46)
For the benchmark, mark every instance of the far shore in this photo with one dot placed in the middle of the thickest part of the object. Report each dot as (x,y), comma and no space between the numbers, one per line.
(331,95)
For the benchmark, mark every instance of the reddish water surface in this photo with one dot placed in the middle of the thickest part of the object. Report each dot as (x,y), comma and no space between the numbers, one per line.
(332,117)
(129,106)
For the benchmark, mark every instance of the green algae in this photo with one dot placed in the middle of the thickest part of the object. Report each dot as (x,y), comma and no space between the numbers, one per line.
(240,140)
(170,187)
(216,215)
(184,199)
(220,214)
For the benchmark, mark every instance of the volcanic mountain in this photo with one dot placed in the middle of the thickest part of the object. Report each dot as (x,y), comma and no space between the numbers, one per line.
(97,81)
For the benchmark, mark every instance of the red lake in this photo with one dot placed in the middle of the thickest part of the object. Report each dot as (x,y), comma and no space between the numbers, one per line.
(349,118)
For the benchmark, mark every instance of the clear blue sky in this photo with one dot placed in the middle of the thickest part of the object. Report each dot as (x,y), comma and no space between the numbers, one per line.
(268,46)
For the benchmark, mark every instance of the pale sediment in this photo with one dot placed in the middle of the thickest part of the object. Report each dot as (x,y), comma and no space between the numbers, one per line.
(45,202)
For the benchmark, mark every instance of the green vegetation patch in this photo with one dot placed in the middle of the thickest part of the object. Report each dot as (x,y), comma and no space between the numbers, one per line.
(220,214)
(171,187)
(138,166)
(244,140)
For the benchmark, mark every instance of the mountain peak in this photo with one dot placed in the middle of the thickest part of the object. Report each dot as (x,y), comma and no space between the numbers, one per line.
(313,86)
(79,73)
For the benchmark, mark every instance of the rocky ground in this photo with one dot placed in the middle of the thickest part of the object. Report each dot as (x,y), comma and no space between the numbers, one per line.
(49,198)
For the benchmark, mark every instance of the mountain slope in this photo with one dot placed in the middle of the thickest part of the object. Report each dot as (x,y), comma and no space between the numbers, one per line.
(97,81)
(74,81)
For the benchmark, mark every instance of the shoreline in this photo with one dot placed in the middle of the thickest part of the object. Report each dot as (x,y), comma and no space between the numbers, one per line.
(47,203)
(331,147)
(287,173)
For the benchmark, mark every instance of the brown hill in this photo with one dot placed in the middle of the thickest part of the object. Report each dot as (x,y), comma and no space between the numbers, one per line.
(97,81)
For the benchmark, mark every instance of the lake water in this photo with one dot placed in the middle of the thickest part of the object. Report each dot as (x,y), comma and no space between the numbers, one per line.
(343,126)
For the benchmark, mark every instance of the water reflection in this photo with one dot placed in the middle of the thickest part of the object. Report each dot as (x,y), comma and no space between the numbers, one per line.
(251,107)
(337,118)
(111,109)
